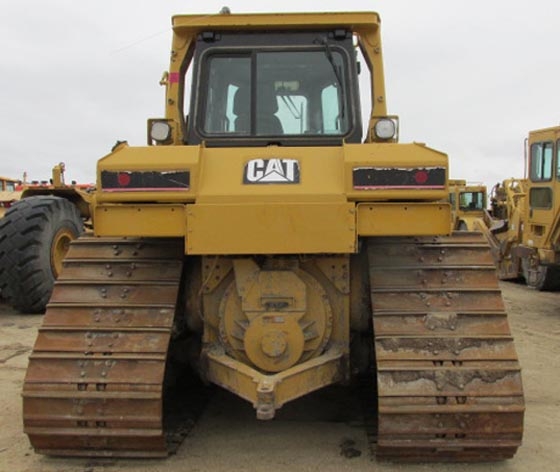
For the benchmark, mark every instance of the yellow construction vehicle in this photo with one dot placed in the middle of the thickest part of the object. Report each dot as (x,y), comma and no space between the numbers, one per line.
(468,202)
(503,226)
(523,225)
(260,237)
(41,220)
(8,193)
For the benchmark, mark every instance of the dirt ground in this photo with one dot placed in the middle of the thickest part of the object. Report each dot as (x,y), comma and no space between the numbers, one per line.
(310,434)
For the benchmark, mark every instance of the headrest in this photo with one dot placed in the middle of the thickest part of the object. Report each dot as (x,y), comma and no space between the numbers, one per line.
(242,101)
(267,103)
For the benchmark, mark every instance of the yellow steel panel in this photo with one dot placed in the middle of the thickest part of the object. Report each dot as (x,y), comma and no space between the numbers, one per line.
(155,220)
(150,158)
(392,156)
(272,228)
(403,219)
(222,169)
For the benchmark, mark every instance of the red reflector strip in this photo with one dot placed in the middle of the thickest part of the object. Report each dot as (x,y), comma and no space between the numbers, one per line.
(145,181)
(371,178)
(147,189)
(399,187)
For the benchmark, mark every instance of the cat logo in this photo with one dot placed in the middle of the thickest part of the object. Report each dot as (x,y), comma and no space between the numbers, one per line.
(271,171)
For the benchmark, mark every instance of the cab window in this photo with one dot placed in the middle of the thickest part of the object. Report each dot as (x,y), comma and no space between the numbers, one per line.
(469,201)
(558,159)
(273,93)
(541,161)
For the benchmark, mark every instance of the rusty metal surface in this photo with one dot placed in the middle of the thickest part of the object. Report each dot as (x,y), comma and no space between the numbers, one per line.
(94,382)
(449,381)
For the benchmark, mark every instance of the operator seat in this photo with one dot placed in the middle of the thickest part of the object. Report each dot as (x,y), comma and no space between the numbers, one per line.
(267,105)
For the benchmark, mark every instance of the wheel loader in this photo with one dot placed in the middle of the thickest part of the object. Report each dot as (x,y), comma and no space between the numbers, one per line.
(523,225)
(264,239)
(41,220)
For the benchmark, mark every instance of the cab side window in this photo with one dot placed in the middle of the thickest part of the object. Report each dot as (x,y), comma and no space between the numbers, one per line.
(541,161)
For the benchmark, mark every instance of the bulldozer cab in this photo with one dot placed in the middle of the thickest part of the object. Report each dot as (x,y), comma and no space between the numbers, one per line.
(258,80)
(543,212)
(284,88)
(468,202)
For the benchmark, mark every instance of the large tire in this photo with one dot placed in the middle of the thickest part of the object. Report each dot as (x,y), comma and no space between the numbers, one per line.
(34,238)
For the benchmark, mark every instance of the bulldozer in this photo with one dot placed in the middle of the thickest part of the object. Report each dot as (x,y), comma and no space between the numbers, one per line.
(39,220)
(264,239)
(468,202)
(523,224)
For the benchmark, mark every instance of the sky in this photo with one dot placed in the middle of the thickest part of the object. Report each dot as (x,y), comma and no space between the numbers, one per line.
(467,77)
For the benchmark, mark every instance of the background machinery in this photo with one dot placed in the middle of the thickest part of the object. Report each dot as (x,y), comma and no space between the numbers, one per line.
(262,239)
(468,202)
(8,193)
(35,233)
(523,225)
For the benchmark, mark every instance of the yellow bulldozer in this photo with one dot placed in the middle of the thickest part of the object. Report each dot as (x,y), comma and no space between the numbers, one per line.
(263,239)
(39,220)
(523,224)
(468,203)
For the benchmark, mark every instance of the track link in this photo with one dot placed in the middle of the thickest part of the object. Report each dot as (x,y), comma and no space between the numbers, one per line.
(449,381)
(94,383)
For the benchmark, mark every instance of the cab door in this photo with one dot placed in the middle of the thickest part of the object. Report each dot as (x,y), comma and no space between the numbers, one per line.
(542,191)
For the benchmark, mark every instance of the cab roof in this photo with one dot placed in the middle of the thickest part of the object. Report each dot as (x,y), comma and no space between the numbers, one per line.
(355,21)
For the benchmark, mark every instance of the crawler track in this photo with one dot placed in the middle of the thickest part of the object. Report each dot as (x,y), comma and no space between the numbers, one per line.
(449,382)
(95,377)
